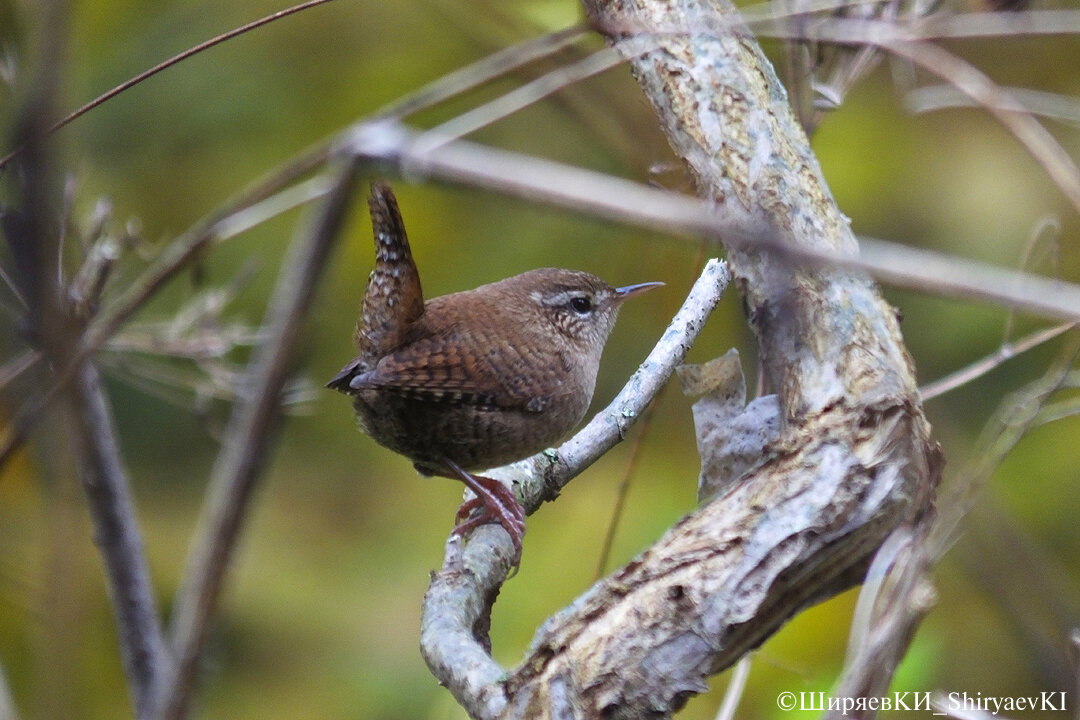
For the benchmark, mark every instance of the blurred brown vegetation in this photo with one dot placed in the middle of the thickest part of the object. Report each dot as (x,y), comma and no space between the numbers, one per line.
(320,616)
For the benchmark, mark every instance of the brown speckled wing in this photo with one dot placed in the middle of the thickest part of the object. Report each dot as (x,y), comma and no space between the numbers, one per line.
(434,370)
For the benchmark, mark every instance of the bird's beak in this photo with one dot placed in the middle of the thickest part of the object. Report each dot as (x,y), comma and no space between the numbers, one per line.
(632,290)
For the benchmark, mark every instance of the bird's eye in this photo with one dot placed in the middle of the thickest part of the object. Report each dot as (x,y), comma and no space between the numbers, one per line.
(581,305)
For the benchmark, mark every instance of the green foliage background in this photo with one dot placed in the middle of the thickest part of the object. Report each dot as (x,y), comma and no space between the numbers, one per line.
(321,615)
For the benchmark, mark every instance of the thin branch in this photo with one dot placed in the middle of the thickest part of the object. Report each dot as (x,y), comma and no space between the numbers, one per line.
(18,365)
(1049,227)
(735,688)
(116,533)
(458,595)
(898,592)
(174,259)
(146,74)
(521,97)
(621,494)
(765,20)
(632,203)
(1052,412)
(1055,106)
(977,369)
(7,703)
(484,70)
(247,444)
(1016,414)
(10,284)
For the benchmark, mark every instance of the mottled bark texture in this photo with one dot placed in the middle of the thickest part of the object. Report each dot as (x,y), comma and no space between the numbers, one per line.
(849,458)
(854,458)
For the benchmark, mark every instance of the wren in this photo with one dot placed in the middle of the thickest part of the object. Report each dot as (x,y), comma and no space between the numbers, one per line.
(474,379)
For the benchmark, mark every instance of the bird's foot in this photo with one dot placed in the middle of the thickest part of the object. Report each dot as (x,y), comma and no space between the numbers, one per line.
(496,504)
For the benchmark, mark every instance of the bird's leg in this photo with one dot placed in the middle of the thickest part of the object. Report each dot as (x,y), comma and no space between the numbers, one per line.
(497,503)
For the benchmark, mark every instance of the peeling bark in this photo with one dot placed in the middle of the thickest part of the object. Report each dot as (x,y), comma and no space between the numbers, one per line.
(848,457)
(854,458)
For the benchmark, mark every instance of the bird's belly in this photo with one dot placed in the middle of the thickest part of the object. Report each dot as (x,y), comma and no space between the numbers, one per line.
(475,438)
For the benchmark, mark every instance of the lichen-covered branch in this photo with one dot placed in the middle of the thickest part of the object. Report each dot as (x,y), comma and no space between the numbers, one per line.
(853,459)
(458,601)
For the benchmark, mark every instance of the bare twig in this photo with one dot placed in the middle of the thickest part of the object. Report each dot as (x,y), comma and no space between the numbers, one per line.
(735,688)
(980,367)
(116,531)
(7,703)
(488,68)
(522,96)
(174,259)
(1047,227)
(458,595)
(1055,106)
(14,288)
(621,494)
(766,20)
(628,202)
(180,57)
(1016,414)
(898,592)
(18,365)
(1052,412)
(246,445)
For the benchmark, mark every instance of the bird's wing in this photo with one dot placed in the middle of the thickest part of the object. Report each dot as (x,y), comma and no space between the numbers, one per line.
(435,370)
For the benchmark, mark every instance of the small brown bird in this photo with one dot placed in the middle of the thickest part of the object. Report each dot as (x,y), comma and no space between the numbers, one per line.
(474,379)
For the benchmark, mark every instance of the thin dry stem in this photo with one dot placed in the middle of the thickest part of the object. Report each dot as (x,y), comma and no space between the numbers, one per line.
(178,58)
(735,688)
(519,98)
(1005,352)
(484,70)
(621,494)
(632,203)
(1016,414)
(116,531)
(246,446)
(7,703)
(172,261)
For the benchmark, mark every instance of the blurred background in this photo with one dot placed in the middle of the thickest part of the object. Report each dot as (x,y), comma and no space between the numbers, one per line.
(321,613)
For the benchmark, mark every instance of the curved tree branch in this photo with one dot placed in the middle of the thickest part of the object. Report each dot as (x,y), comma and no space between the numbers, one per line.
(853,458)
(458,601)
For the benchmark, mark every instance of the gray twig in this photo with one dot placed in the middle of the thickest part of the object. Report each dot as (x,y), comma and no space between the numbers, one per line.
(178,255)
(7,704)
(116,532)
(247,445)
(624,201)
(458,596)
